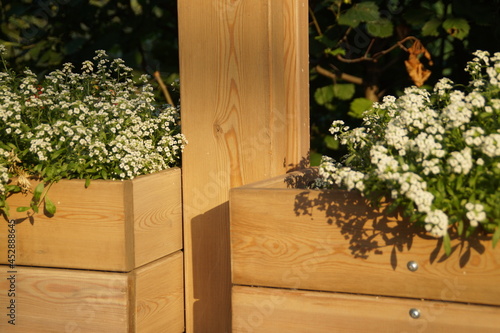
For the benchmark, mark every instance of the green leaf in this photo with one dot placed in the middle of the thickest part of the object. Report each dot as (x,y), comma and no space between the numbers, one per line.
(380,28)
(12,188)
(447,244)
(431,27)
(361,12)
(5,208)
(440,185)
(49,206)
(22,209)
(315,159)
(366,11)
(496,236)
(324,95)
(38,191)
(331,142)
(459,183)
(323,39)
(457,27)
(336,52)
(349,19)
(359,106)
(87,182)
(344,91)
(460,227)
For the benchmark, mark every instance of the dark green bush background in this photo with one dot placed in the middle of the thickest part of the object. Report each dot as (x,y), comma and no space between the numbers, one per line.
(44,34)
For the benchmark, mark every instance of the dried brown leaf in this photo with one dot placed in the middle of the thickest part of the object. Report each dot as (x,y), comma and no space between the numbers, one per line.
(416,69)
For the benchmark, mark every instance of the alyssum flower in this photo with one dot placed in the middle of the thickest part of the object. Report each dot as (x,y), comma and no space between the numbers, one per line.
(435,153)
(96,123)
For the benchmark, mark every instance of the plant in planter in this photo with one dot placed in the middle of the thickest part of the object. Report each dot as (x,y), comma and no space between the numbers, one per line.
(97,124)
(433,154)
(323,259)
(118,240)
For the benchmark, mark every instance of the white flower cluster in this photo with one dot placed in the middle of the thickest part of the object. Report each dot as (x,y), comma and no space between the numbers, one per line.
(331,173)
(95,123)
(433,149)
(4,171)
(475,213)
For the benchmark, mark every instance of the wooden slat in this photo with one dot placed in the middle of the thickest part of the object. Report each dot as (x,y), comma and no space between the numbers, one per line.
(147,299)
(157,212)
(265,310)
(314,240)
(87,221)
(159,296)
(243,67)
(111,225)
(60,300)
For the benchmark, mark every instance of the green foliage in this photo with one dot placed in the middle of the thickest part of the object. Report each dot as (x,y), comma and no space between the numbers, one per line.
(359,106)
(360,12)
(324,95)
(457,27)
(343,91)
(42,35)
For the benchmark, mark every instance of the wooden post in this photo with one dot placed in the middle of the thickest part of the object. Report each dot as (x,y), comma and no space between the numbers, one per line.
(244,90)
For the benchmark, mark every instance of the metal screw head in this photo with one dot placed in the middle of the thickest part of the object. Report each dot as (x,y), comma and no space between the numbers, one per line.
(412,266)
(415,313)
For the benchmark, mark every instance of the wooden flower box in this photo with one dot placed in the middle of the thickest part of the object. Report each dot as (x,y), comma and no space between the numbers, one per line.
(111,225)
(109,260)
(323,261)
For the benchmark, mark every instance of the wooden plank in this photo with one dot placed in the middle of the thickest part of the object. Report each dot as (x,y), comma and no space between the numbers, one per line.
(332,241)
(243,67)
(132,222)
(61,300)
(159,296)
(148,299)
(157,212)
(266,310)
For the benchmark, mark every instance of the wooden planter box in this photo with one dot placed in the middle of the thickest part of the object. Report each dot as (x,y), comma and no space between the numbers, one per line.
(342,266)
(111,225)
(109,260)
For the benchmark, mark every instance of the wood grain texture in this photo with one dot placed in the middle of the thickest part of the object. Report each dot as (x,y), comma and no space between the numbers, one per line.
(147,299)
(111,225)
(265,310)
(60,300)
(332,241)
(243,67)
(157,216)
(159,296)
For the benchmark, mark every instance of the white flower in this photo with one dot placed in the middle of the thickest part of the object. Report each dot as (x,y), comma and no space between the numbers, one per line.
(461,161)
(436,223)
(491,145)
(475,99)
(457,112)
(338,127)
(87,66)
(475,213)
(442,86)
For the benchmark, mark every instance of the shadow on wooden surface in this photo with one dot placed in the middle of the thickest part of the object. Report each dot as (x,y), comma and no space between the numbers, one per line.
(210,249)
(372,230)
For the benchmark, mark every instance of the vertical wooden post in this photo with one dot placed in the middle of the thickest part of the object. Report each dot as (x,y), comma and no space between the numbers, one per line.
(244,91)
